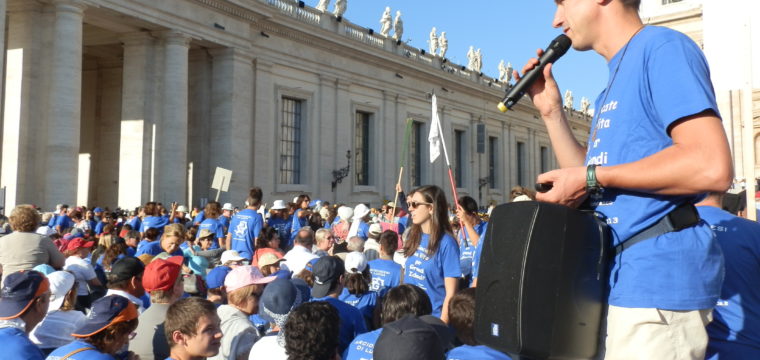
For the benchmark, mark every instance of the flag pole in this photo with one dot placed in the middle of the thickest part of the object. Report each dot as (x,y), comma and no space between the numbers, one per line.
(407,133)
(451,173)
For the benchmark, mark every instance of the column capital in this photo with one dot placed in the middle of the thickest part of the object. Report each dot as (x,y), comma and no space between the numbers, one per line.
(137,38)
(23,6)
(174,37)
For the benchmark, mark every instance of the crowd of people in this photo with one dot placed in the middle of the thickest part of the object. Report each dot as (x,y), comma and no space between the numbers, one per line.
(300,280)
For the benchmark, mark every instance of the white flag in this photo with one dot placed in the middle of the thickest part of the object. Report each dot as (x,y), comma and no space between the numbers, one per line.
(435,136)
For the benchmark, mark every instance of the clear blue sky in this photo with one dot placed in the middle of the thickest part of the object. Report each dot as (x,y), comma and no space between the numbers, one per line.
(510,30)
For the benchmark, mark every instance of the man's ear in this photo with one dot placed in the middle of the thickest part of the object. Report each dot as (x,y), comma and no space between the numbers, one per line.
(178,338)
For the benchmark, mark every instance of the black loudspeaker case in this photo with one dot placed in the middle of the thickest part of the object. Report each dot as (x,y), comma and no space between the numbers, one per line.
(542,283)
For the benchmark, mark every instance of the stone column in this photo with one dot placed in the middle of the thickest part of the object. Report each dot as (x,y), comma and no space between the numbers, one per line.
(135,139)
(344,121)
(171,136)
(65,94)
(24,107)
(323,147)
(231,135)
(265,129)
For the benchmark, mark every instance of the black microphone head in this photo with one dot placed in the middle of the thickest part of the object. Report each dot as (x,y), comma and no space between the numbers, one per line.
(561,44)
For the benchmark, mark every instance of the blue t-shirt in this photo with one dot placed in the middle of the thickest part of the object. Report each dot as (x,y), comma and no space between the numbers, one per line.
(283,229)
(351,322)
(385,275)
(225,222)
(135,223)
(53,220)
(663,78)
(148,247)
(215,227)
(199,217)
(99,227)
(84,355)
(363,230)
(735,330)
(362,346)
(16,345)
(365,302)
(65,222)
(478,251)
(429,272)
(245,227)
(467,249)
(478,352)
(155,222)
(296,224)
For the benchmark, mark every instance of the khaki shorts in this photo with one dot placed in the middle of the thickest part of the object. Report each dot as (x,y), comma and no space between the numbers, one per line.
(633,333)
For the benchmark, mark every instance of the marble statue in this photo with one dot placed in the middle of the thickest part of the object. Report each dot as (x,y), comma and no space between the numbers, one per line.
(443,44)
(433,43)
(323,4)
(471,58)
(478,61)
(568,99)
(503,72)
(398,27)
(585,104)
(510,70)
(340,7)
(386,22)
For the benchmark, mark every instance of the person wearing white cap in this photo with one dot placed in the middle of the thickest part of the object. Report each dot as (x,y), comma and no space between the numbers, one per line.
(61,320)
(232,259)
(356,285)
(279,220)
(226,216)
(360,227)
(246,225)
(340,229)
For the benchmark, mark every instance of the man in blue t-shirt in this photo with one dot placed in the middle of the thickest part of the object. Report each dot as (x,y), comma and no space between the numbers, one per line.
(735,330)
(328,284)
(24,301)
(385,272)
(656,144)
(246,226)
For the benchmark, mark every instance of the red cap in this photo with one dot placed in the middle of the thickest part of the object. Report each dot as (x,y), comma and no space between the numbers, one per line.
(161,274)
(77,243)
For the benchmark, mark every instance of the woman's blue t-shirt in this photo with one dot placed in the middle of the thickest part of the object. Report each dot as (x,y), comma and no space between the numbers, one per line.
(429,272)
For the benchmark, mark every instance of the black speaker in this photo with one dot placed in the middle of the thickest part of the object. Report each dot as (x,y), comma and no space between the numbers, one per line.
(542,282)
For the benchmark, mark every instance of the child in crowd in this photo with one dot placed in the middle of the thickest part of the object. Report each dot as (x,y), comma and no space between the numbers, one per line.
(77,250)
(386,273)
(462,319)
(356,290)
(193,329)
(61,320)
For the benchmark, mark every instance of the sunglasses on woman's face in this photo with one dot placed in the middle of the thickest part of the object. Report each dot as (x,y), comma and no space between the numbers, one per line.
(415,204)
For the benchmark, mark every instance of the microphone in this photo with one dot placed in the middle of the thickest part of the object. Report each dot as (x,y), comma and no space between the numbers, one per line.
(556,49)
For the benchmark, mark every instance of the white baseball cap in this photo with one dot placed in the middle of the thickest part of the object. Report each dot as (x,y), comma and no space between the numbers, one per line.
(278,205)
(360,211)
(231,255)
(60,284)
(355,262)
(345,213)
(228,206)
(182,208)
(45,230)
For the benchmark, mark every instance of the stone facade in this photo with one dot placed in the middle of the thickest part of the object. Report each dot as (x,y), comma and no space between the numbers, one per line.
(117,102)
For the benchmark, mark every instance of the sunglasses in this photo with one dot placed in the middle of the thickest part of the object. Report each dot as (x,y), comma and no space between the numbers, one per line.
(415,204)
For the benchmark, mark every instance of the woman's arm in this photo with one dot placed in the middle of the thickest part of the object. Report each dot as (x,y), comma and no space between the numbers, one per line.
(451,289)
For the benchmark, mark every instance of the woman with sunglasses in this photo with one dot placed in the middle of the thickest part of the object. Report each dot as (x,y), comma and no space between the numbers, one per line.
(300,218)
(432,253)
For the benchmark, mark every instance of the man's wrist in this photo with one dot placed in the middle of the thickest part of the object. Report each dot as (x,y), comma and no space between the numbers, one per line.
(592,183)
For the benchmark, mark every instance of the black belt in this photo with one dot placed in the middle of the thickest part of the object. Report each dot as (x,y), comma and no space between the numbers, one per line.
(682,217)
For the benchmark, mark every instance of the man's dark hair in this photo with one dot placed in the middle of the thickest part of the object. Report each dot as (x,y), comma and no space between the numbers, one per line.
(311,332)
(388,242)
(183,316)
(462,315)
(254,196)
(132,234)
(403,300)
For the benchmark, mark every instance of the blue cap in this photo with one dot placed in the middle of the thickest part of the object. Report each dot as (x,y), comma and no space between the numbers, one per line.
(279,297)
(44,268)
(283,274)
(311,263)
(19,290)
(199,265)
(215,277)
(105,312)
(97,210)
